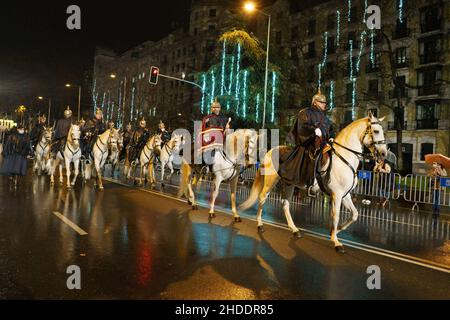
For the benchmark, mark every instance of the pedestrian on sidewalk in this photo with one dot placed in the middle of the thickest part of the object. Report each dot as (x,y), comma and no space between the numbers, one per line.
(15,153)
(436,172)
(383,169)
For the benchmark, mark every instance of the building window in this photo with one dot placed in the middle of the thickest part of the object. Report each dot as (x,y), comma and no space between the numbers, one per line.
(431,18)
(425,148)
(311,27)
(400,57)
(331,45)
(212,13)
(294,33)
(348,92)
(311,50)
(373,88)
(428,114)
(375,65)
(430,49)
(184,51)
(401,29)
(428,81)
(294,53)
(211,27)
(331,21)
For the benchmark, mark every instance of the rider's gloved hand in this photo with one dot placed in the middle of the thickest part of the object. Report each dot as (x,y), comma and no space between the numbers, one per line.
(318,132)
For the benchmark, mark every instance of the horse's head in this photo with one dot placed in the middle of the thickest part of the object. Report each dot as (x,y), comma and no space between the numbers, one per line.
(175,142)
(373,137)
(155,141)
(251,146)
(74,135)
(47,134)
(114,137)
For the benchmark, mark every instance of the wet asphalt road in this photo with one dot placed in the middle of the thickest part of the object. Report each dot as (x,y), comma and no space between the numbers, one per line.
(141,245)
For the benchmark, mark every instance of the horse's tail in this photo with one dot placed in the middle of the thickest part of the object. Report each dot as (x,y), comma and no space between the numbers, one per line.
(186,171)
(257,187)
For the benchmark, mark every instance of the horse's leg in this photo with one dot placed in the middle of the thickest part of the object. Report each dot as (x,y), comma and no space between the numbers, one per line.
(67,162)
(141,173)
(163,164)
(191,192)
(348,203)
(233,187)
(216,184)
(76,164)
(336,200)
(287,196)
(60,173)
(169,164)
(269,183)
(98,168)
(52,172)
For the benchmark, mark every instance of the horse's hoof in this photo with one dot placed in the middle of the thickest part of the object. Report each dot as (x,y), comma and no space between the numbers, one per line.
(237,219)
(212,215)
(297,234)
(195,207)
(261,229)
(339,249)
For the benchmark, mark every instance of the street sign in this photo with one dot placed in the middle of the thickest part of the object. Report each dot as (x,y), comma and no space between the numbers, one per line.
(364,175)
(445,182)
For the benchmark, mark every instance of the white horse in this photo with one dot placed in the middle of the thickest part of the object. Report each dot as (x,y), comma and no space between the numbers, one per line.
(71,153)
(147,156)
(115,146)
(169,148)
(240,151)
(346,150)
(42,152)
(105,142)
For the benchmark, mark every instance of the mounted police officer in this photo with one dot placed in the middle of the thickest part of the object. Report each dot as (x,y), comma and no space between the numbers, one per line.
(311,132)
(138,139)
(165,135)
(37,130)
(127,135)
(92,130)
(61,131)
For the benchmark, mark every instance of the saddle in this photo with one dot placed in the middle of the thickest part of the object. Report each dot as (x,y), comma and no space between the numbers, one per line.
(323,155)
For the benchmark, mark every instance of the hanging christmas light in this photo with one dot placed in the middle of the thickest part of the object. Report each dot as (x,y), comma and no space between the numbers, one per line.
(349,12)
(372,47)
(202,106)
(331,95)
(231,75)
(94,97)
(365,9)
(274,87)
(104,98)
(325,48)
(257,108)
(361,48)
(213,86)
(237,77)
(132,104)
(244,98)
(400,11)
(319,69)
(222,83)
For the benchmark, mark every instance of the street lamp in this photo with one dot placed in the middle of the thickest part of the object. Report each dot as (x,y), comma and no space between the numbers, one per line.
(68,85)
(49,107)
(112,76)
(250,8)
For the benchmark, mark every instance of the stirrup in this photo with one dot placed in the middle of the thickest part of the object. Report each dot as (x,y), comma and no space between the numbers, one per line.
(311,194)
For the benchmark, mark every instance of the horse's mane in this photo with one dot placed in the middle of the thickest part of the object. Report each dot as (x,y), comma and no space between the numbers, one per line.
(344,132)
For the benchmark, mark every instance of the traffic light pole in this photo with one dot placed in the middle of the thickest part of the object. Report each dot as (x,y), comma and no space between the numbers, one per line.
(182,80)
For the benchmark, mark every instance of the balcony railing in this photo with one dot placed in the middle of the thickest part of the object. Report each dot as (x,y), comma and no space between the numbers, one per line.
(393,125)
(430,57)
(402,64)
(430,90)
(427,124)
(431,25)
(372,68)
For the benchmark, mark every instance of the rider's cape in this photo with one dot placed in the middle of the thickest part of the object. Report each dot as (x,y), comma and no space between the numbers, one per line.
(62,128)
(297,163)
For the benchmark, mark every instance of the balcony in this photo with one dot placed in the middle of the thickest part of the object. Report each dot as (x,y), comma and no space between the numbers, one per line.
(372,68)
(393,93)
(402,64)
(427,124)
(393,125)
(430,90)
(401,33)
(430,57)
(431,25)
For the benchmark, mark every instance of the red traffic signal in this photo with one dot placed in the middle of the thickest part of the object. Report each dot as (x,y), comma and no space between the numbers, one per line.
(154,72)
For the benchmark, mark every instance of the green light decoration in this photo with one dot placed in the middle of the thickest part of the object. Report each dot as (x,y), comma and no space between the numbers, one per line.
(349,12)
(400,11)
(132,103)
(361,48)
(231,75)
(257,107)
(244,98)
(365,9)
(103,102)
(94,96)
(319,69)
(353,80)
(213,87)
(224,54)
(372,47)
(325,48)
(237,77)
(203,94)
(331,95)
(274,89)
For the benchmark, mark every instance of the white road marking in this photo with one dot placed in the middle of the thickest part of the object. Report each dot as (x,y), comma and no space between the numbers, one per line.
(80,231)
(353,244)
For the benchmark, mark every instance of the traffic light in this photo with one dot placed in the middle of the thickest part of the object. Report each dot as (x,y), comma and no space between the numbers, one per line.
(154,72)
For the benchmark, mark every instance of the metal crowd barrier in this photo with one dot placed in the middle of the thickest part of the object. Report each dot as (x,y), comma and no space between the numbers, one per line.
(381,185)
(427,190)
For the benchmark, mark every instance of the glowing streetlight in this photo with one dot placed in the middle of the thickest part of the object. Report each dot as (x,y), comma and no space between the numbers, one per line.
(41,98)
(49,107)
(112,76)
(68,85)
(249,7)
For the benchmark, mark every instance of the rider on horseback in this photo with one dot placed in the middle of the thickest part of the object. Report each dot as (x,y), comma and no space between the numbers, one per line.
(165,135)
(311,132)
(61,131)
(91,130)
(138,139)
(37,130)
(126,140)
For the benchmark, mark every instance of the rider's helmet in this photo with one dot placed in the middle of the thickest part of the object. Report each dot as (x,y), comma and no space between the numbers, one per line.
(42,119)
(142,123)
(161,125)
(319,97)
(82,122)
(67,112)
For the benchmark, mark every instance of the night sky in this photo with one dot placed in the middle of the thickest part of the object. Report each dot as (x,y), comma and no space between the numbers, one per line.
(38,54)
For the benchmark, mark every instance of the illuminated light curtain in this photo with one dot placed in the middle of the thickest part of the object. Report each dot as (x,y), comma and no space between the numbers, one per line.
(274,83)
(338,27)
(202,106)
(213,87)
(222,82)
(257,107)
(237,77)
(244,98)
(331,95)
